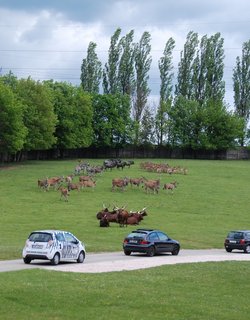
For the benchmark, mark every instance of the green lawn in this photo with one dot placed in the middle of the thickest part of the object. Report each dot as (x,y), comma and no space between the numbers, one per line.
(210,200)
(201,291)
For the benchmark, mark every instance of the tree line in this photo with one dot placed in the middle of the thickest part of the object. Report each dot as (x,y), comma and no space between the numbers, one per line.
(41,115)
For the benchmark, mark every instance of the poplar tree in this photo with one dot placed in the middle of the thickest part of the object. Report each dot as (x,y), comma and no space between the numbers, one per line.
(142,66)
(126,72)
(214,55)
(110,72)
(241,83)
(91,71)
(166,89)
(186,66)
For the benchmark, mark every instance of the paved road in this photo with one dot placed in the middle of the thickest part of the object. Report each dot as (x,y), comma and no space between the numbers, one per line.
(117,261)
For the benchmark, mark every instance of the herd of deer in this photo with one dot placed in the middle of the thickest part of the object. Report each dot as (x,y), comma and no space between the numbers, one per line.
(66,184)
(149,185)
(58,183)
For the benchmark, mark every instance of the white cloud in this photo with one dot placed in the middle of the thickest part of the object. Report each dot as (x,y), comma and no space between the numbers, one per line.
(49,39)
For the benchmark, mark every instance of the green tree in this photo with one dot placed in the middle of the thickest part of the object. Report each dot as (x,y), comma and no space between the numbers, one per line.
(223,129)
(186,66)
(166,89)
(214,84)
(197,127)
(110,72)
(39,116)
(186,123)
(241,82)
(142,66)
(91,70)
(73,108)
(111,121)
(126,66)
(12,129)
(146,133)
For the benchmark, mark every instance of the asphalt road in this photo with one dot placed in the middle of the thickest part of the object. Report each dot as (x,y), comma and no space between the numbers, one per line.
(117,261)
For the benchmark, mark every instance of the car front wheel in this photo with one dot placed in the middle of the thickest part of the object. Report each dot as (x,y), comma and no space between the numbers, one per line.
(26,260)
(175,251)
(81,257)
(151,251)
(56,259)
(247,250)
(228,250)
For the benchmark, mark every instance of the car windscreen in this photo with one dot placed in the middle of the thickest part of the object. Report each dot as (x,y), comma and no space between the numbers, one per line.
(40,237)
(236,235)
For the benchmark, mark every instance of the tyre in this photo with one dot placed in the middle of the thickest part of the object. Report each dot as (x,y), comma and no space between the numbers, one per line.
(81,257)
(127,253)
(247,249)
(175,250)
(55,260)
(151,251)
(228,250)
(26,260)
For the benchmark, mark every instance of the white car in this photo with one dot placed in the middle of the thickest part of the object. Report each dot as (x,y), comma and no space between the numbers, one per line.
(53,245)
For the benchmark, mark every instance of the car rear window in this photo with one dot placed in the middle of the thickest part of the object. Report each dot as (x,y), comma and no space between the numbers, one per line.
(40,237)
(236,235)
(137,235)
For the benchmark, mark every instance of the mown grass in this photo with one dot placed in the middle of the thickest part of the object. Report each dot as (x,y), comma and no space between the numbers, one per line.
(201,291)
(210,200)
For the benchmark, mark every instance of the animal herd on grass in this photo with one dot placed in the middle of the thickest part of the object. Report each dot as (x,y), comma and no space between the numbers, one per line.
(120,215)
(86,174)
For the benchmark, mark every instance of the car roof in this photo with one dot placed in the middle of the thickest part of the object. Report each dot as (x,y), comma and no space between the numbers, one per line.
(50,231)
(239,231)
(145,230)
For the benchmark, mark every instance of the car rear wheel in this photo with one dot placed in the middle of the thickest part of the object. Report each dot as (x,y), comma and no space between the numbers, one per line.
(81,257)
(151,251)
(26,260)
(127,253)
(247,250)
(228,250)
(175,251)
(56,259)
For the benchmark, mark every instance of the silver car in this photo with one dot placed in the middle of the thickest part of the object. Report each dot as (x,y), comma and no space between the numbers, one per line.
(53,245)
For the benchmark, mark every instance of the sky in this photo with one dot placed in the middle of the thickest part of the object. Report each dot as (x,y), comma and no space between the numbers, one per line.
(48,39)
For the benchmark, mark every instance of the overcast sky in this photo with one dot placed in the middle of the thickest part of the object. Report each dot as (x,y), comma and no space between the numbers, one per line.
(48,39)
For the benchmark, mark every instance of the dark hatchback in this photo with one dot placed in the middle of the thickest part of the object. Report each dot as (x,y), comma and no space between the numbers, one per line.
(151,242)
(239,240)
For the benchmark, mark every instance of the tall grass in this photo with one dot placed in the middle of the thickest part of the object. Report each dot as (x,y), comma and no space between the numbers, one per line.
(210,200)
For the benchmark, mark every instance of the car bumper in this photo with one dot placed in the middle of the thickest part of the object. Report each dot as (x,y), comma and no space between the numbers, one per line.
(235,246)
(131,248)
(37,255)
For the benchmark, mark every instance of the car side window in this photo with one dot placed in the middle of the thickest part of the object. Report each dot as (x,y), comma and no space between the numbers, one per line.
(153,236)
(248,235)
(162,236)
(69,237)
(60,237)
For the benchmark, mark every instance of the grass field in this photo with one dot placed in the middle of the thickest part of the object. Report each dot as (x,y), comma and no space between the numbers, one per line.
(210,200)
(201,291)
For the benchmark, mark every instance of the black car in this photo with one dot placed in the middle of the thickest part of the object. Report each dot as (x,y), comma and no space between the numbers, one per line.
(149,241)
(238,239)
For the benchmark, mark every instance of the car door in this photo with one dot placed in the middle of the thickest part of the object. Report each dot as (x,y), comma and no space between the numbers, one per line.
(154,239)
(72,246)
(61,244)
(165,243)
